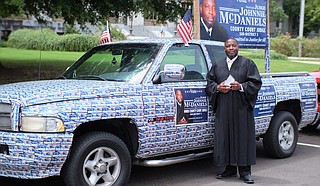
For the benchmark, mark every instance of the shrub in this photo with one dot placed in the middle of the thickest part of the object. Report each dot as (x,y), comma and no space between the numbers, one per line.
(43,39)
(46,39)
(283,44)
(77,42)
(3,43)
(117,34)
(260,54)
(19,38)
(311,47)
(288,46)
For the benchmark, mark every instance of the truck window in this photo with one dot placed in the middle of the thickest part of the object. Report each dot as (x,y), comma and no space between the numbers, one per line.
(216,53)
(115,62)
(191,57)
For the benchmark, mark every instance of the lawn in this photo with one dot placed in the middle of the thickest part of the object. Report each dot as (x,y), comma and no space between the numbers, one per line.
(26,65)
(286,66)
(10,57)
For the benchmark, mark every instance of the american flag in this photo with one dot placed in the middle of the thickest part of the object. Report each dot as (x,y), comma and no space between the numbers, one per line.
(185,27)
(106,36)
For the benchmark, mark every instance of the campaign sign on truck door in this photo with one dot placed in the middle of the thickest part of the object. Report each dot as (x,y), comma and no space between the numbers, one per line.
(191,105)
(266,101)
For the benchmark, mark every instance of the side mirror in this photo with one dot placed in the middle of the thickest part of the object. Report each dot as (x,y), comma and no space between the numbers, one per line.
(174,71)
(171,72)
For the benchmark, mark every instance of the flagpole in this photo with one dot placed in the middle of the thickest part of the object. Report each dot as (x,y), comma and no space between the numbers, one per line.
(187,44)
(109,36)
(196,18)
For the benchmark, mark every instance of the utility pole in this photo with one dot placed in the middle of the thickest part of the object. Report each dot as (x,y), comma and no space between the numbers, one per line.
(196,18)
(267,50)
(301,26)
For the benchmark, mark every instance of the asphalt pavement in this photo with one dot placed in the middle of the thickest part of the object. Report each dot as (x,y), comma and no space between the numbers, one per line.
(301,169)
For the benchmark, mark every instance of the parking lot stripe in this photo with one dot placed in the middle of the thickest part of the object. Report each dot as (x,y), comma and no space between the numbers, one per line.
(309,145)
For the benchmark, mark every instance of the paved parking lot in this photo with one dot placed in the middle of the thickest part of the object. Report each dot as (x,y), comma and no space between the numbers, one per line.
(300,169)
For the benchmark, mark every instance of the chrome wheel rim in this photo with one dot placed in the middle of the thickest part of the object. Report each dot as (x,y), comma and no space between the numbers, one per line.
(101,167)
(286,135)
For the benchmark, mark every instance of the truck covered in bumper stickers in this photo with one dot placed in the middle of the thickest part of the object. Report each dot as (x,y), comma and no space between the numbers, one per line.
(120,104)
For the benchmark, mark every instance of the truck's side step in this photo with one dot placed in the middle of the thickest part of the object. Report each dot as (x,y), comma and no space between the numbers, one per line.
(173,160)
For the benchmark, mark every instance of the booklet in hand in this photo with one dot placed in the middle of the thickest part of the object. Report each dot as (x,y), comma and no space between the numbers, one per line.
(229,80)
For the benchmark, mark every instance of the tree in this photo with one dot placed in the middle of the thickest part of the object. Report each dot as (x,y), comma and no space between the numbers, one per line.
(93,11)
(276,12)
(292,9)
(164,10)
(11,7)
(311,18)
(312,15)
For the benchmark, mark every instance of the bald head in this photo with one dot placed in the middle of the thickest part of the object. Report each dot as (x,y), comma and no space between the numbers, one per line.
(231,48)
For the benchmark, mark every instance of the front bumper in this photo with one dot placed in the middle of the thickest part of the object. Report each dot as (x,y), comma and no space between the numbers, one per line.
(31,155)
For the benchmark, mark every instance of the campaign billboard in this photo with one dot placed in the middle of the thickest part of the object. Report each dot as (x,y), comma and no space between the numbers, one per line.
(244,20)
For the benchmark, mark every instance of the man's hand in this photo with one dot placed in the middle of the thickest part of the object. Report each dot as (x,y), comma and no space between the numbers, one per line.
(223,88)
(235,85)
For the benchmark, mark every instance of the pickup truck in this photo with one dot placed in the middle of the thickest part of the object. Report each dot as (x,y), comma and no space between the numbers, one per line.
(116,106)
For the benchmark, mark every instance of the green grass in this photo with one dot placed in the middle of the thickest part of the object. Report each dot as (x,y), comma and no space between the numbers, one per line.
(286,66)
(10,57)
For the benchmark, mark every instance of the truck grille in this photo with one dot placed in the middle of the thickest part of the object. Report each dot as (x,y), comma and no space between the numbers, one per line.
(5,116)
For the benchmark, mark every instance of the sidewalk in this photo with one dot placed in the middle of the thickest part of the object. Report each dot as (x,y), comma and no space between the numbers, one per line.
(307,60)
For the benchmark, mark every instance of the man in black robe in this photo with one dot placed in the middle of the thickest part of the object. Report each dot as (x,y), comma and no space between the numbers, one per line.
(233,101)
(210,29)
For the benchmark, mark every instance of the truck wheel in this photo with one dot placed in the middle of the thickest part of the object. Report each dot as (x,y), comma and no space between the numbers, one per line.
(97,158)
(281,138)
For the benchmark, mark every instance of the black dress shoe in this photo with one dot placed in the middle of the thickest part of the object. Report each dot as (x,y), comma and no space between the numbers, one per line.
(226,174)
(247,179)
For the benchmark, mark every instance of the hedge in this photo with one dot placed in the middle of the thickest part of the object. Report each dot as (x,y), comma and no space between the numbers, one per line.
(260,54)
(288,46)
(46,39)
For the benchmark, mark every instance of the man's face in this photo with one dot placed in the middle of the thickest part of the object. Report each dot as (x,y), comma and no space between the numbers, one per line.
(231,48)
(208,12)
(179,96)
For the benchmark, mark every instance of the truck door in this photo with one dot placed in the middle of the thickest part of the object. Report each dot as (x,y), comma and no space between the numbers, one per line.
(181,118)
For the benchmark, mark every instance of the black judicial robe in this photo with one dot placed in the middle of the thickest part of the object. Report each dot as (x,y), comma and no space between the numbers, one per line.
(234,141)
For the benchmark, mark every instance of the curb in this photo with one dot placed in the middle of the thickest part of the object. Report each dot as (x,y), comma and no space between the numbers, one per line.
(304,59)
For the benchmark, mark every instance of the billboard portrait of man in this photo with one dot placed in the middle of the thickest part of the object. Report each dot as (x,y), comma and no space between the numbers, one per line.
(210,28)
(180,115)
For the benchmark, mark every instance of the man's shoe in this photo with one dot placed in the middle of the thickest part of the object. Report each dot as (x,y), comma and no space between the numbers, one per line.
(226,174)
(247,179)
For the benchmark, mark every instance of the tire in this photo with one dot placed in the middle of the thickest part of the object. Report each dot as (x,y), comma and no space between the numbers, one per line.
(97,158)
(281,138)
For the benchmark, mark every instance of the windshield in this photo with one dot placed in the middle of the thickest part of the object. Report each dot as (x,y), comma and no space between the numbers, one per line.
(116,62)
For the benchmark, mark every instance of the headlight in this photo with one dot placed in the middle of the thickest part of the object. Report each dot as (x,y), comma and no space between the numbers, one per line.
(42,124)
